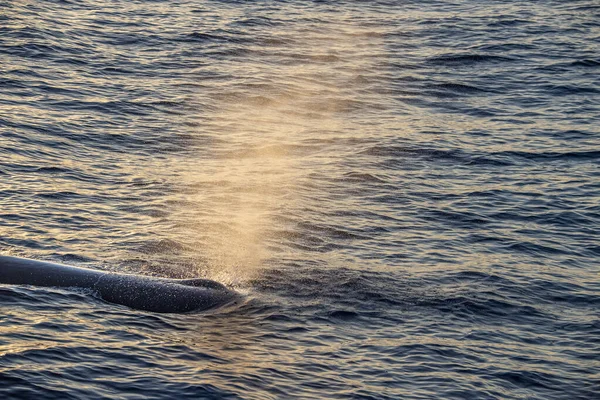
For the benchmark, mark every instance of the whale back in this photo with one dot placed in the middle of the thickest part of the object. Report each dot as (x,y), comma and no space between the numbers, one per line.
(22,271)
(162,295)
(138,292)
(197,282)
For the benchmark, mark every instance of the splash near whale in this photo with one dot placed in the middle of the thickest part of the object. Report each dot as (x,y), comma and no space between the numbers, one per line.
(139,292)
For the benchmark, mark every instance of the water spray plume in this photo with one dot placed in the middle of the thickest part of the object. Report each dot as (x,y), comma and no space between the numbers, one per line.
(266,131)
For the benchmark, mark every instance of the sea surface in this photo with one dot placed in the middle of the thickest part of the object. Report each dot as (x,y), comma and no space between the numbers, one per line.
(406,193)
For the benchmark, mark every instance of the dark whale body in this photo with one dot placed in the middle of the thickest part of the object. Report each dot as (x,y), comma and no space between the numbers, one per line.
(139,292)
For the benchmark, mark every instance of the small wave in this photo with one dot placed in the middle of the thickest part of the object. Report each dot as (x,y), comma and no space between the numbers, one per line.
(566,90)
(363,177)
(503,158)
(479,276)
(466,59)
(115,70)
(257,21)
(344,315)
(459,87)
(7,83)
(506,47)
(553,155)
(270,151)
(200,37)
(466,219)
(508,22)
(451,89)
(31,50)
(482,307)
(455,155)
(62,195)
(26,32)
(106,107)
(588,63)
(537,249)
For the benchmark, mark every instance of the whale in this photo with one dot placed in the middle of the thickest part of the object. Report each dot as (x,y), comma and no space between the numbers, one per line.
(161,295)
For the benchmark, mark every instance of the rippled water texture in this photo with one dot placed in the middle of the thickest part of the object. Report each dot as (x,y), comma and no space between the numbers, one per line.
(406,193)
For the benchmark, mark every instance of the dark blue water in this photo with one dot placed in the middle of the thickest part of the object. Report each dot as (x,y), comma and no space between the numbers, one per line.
(407,194)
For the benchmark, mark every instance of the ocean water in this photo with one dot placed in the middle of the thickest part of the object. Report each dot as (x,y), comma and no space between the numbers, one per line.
(406,193)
